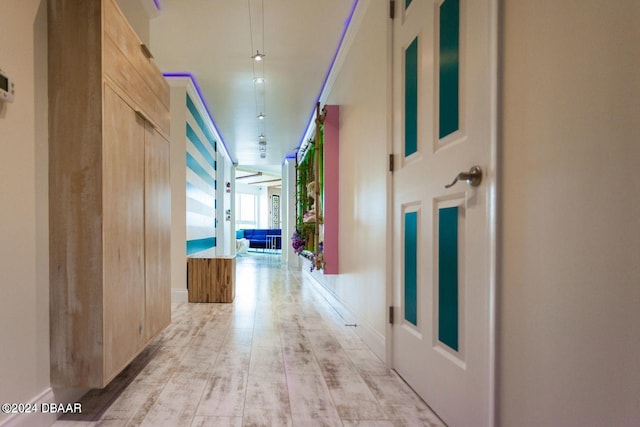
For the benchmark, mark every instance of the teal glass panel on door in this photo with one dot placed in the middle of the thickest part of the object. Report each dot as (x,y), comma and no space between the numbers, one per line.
(448,276)
(411,267)
(411,98)
(449,102)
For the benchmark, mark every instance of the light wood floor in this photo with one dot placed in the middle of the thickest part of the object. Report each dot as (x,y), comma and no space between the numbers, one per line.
(280,355)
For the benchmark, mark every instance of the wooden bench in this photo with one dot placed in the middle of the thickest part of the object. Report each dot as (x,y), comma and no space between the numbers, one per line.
(211,279)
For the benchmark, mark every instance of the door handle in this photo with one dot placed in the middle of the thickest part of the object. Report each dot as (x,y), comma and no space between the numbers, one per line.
(144,117)
(146,51)
(473,177)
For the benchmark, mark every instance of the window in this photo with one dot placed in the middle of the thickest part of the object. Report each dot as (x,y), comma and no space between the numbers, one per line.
(246,210)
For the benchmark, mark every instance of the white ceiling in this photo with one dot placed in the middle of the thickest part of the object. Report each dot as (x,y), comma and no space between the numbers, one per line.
(211,39)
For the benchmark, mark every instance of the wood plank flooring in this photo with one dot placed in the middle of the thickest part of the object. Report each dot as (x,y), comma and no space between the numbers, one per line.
(279,355)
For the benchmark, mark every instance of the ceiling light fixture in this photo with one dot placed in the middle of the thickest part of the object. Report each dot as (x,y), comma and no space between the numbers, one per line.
(249,176)
(258,56)
(259,71)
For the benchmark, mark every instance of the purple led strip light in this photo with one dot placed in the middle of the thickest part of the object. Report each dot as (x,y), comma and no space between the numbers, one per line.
(157,3)
(206,107)
(326,77)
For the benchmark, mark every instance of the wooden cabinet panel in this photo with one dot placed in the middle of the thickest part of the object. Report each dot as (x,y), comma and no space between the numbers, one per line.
(75,195)
(119,30)
(119,69)
(157,232)
(123,228)
(108,199)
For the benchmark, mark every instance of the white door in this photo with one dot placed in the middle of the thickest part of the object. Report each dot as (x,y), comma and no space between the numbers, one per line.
(444,95)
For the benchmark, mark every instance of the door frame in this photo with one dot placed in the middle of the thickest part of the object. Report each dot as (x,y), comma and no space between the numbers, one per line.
(490,179)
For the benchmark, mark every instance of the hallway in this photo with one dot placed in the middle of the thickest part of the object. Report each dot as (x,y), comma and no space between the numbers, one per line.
(279,355)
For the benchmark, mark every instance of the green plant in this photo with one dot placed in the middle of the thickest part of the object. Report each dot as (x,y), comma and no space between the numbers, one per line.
(304,172)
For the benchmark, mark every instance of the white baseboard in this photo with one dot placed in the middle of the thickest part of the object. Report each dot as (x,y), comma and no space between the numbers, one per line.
(363,329)
(40,418)
(179,295)
(36,419)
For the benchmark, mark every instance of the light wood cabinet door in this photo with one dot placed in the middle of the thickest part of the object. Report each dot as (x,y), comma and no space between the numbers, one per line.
(157,233)
(123,230)
(109,194)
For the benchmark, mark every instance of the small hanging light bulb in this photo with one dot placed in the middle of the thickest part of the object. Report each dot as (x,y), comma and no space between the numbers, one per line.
(258,56)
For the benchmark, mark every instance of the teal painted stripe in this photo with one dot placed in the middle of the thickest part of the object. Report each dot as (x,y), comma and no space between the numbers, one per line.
(198,245)
(198,118)
(411,98)
(411,267)
(407,3)
(195,140)
(448,277)
(449,67)
(193,164)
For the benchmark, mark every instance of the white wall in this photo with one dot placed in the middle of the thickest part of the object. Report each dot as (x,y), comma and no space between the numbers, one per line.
(226,233)
(360,89)
(24,230)
(178,167)
(24,263)
(569,306)
(232,206)
(288,203)
(137,16)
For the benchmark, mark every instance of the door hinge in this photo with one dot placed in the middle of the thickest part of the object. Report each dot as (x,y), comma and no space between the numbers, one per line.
(392,9)
(391,162)
(391,314)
